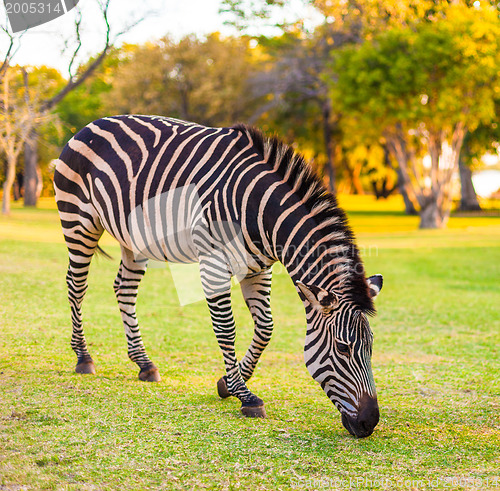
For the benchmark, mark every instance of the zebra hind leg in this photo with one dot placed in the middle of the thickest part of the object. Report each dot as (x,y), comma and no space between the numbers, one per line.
(126,286)
(81,246)
(256,291)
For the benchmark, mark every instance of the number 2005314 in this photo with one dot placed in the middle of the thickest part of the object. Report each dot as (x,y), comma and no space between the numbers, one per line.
(32,8)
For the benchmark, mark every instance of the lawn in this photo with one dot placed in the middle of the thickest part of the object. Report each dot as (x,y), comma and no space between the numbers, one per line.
(436,364)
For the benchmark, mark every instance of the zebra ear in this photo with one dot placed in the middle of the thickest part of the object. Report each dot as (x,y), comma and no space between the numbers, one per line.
(319,298)
(375,283)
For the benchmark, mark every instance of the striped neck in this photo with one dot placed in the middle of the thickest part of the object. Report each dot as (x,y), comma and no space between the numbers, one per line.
(304,226)
(316,250)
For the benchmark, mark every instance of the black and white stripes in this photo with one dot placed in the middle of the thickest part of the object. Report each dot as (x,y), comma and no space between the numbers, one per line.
(235,202)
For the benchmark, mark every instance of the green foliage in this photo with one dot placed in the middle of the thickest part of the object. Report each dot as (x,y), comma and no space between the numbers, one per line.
(436,73)
(436,366)
(88,101)
(43,82)
(485,138)
(196,80)
(246,15)
(422,87)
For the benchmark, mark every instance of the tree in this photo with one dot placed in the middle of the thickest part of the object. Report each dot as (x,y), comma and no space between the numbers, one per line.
(42,82)
(296,78)
(468,196)
(196,80)
(88,101)
(425,87)
(20,112)
(302,68)
(76,77)
(294,82)
(485,138)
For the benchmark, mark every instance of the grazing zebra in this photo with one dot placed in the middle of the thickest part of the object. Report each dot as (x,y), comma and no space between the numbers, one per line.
(235,202)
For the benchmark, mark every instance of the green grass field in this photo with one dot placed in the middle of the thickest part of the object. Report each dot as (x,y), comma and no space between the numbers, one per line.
(436,364)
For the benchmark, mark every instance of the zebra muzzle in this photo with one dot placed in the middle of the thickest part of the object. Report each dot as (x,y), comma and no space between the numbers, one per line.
(367,418)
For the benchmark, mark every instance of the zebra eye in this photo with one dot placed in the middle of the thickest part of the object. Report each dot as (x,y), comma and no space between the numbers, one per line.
(342,348)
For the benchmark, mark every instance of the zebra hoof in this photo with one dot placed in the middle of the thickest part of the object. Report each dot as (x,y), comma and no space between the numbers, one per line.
(150,374)
(253,411)
(222,388)
(87,367)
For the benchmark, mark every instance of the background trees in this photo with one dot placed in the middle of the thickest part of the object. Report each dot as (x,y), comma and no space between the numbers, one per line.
(21,103)
(17,119)
(206,81)
(45,101)
(382,97)
(425,87)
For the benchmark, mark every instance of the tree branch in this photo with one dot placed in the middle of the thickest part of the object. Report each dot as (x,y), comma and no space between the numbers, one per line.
(8,55)
(397,146)
(73,82)
(11,50)
(78,23)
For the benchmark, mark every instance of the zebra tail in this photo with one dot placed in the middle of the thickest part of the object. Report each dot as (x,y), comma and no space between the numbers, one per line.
(102,252)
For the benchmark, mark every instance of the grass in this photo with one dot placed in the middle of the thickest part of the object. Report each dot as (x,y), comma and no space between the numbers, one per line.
(436,364)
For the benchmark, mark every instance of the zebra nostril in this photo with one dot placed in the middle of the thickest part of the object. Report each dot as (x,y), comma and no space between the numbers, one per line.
(368,425)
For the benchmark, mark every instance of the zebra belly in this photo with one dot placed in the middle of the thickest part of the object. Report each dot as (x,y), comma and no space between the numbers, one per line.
(162,227)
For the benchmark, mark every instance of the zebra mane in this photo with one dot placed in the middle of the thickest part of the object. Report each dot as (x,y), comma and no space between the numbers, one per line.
(292,167)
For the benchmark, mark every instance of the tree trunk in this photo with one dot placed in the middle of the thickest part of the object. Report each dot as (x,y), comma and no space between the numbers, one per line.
(356,179)
(7,185)
(31,174)
(430,215)
(409,206)
(327,136)
(382,191)
(468,198)
(16,190)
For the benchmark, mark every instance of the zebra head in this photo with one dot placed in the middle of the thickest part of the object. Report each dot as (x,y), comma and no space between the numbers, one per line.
(337,353)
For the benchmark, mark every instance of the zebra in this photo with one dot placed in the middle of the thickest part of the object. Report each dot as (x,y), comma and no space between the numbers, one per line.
(113,174)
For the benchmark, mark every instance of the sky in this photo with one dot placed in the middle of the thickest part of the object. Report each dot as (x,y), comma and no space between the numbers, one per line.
(42,45)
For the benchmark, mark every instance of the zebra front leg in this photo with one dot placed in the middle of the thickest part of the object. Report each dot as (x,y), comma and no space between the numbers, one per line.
(219,304)
(126,286)
(257,294)
(256,291)
(225,332)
